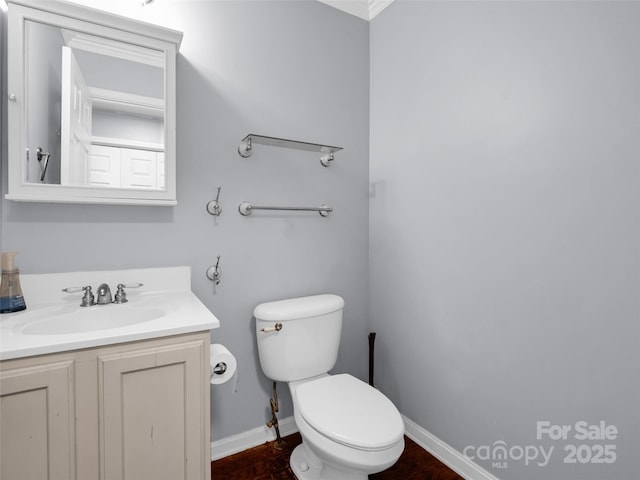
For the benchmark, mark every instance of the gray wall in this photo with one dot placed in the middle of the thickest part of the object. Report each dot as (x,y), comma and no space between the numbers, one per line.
(290,69)
(505,223)
(504,266)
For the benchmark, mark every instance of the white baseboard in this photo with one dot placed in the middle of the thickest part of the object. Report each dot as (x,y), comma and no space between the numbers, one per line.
(448,455)
(245,440)
(453,459)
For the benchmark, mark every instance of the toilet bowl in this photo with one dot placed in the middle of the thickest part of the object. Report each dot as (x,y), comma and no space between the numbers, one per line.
(349,429)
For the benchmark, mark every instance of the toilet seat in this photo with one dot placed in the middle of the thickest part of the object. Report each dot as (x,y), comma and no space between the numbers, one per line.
(348,411)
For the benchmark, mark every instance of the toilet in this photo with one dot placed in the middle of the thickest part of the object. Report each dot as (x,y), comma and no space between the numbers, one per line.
(349,429)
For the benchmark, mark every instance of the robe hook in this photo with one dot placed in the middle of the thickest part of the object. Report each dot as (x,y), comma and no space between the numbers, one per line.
(214,207)
(214,273)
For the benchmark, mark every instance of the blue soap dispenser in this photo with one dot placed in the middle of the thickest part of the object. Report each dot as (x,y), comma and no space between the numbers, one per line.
(11,299)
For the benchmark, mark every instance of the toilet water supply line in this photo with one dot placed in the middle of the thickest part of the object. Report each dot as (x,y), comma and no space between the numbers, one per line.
(280,443)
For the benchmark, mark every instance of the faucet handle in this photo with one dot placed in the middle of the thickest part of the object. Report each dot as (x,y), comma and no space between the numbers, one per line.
(87,299)
(74,289)
(121,295)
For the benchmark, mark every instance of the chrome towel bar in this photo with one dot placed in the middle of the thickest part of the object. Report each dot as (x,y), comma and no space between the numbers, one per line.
(246,208)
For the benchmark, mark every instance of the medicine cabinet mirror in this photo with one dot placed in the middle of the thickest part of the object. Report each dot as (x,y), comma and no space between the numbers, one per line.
(91,106)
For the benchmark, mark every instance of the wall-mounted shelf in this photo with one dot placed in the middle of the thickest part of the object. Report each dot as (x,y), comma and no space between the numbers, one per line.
(246,146)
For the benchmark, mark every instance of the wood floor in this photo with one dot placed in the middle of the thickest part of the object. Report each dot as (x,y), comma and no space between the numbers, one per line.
(266,463)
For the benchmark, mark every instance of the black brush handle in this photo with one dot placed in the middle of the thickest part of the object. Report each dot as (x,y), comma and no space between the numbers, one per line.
(372,342)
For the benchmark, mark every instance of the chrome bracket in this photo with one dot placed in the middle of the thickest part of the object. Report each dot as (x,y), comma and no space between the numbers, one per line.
(327,159)
(244,149)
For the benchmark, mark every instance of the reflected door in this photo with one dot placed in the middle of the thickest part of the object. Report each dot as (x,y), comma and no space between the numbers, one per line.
(76,122)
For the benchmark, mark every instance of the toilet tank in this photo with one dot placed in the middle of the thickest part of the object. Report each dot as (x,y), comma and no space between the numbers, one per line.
(307,344)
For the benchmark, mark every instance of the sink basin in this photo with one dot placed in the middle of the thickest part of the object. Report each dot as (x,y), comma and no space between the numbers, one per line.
(89,319)
(55,322)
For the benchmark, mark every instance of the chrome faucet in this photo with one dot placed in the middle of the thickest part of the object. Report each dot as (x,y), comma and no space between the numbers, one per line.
(104,295)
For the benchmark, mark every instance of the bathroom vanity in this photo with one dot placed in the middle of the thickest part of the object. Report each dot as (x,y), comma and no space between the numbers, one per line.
(106,401)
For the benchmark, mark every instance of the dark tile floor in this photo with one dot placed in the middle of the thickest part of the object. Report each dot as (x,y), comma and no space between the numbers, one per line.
(266,463)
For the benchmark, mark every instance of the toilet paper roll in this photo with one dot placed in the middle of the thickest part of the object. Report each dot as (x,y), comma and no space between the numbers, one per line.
(223,364)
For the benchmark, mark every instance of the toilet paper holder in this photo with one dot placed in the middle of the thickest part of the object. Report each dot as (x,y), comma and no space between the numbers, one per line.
(220,368)
(222,364)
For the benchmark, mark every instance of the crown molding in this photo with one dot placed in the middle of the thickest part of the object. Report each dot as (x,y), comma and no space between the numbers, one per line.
(365,9)
(376,6)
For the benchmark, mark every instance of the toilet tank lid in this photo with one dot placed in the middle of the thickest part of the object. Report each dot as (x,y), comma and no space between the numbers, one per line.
(302,307)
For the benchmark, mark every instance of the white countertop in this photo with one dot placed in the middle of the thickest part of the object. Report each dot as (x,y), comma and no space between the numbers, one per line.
(165,297)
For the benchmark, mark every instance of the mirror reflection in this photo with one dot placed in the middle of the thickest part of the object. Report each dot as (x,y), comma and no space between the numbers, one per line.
(95,110)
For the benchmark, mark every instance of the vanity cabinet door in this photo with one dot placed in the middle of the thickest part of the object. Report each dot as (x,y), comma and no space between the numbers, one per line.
(152,412)
(37,421)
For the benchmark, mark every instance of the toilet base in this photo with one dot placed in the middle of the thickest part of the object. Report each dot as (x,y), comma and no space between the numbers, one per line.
(307,466)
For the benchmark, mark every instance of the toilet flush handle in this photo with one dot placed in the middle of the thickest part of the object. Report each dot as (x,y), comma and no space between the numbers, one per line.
(276,328)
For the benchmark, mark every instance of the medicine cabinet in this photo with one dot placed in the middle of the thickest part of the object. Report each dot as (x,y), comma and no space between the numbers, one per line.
(92,106)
